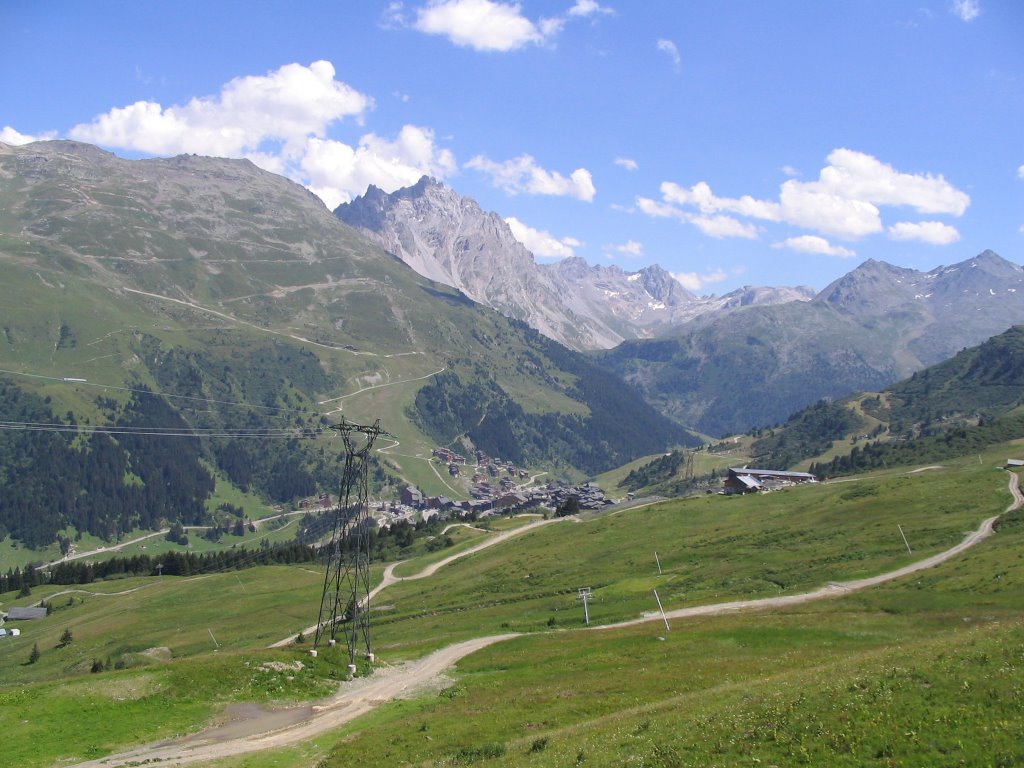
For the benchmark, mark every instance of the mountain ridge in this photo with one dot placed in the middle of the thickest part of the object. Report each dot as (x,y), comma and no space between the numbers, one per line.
(451,239)
(239,302)
(866,330)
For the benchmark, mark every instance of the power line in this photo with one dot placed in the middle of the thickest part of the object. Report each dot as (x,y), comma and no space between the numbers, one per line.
(290,433)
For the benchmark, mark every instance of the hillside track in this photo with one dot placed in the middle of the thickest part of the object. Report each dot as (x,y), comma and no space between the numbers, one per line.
(388,578)
(360,696)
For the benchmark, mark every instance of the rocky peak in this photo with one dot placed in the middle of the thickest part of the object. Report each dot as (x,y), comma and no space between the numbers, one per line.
(449,238)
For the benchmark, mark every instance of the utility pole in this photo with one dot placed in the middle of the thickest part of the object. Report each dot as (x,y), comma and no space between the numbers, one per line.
(909,551)
(663,616)
(586,596)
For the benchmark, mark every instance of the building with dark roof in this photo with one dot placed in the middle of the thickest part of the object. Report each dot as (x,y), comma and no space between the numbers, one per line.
(747,480)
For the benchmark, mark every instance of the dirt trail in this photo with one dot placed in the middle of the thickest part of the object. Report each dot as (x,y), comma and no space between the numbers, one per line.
(358,697)
(354,698)
(389,578)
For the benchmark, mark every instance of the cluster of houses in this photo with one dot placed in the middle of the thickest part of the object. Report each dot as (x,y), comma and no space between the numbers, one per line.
(486,499)
(315,502)
(485,465)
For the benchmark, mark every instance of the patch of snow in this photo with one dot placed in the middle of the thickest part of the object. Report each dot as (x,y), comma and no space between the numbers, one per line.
(634,277)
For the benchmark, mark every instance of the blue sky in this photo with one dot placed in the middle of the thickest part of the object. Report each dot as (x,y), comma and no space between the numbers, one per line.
(732,142)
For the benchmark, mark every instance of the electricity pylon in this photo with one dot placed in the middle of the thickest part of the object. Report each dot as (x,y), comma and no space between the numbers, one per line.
(346,598)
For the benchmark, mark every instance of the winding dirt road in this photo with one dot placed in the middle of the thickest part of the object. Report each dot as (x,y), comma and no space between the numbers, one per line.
(359,696)
(388,578)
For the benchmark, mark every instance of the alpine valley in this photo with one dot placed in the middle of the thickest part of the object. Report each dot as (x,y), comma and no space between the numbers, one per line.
(197,295)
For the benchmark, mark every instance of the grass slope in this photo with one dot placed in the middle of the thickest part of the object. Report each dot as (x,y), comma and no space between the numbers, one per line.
(716,690)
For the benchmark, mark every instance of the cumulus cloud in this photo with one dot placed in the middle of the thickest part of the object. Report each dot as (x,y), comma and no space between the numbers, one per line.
(714,225)
(843,202)
(724,226)
(860,176)
(630,248)
(284,106)
(671,50)
(483,25)
(337,172)
(631,165)
(488,25)
(15,138)
(934,232)
(523,175)
(280,122)
(541,243)
(693,282)
(589,8)
(814,244)
(1020,172)
(966,10)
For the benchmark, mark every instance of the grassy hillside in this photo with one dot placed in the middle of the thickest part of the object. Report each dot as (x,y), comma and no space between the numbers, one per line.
(231,299)
(836,681)
(959,405)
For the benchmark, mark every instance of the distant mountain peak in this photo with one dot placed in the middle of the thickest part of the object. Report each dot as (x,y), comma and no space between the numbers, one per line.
(450,239)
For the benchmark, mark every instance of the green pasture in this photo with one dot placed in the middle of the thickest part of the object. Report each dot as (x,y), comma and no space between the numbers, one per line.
(924,671)
(711,548)
(462,537)
(834,681)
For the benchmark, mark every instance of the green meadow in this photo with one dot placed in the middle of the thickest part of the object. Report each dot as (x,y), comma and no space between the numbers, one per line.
(921,671)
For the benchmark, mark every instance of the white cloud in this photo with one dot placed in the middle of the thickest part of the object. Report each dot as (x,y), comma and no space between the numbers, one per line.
(966,10)
(1020,172)
(843,202)
(859,176)
(631,165)
(790,171)
(934,232)
(15,138)
(660,210)
(814,244)
(483,25)
(589,8)
(630,248)
(715,225)
(542,243)
(279,121)
(522,174)
(393,16)
(693,282)
(807,205)
(336,172)
(719,226)
(671,50)
(284,106)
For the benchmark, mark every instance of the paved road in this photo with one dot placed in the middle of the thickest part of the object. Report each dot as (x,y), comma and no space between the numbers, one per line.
(358,697)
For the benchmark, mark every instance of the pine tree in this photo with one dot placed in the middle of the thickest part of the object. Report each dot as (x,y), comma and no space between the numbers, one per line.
(65,638)
(33,657)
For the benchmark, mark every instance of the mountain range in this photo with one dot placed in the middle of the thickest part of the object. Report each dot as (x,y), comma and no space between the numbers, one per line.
(451,239)
(868,329)
(701,360)
(206,296)
(196,293)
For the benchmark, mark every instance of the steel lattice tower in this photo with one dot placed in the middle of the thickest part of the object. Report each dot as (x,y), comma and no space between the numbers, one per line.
(346,598)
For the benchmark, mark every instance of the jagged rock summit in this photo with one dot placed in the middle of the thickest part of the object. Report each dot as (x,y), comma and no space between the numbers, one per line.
(450,239)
